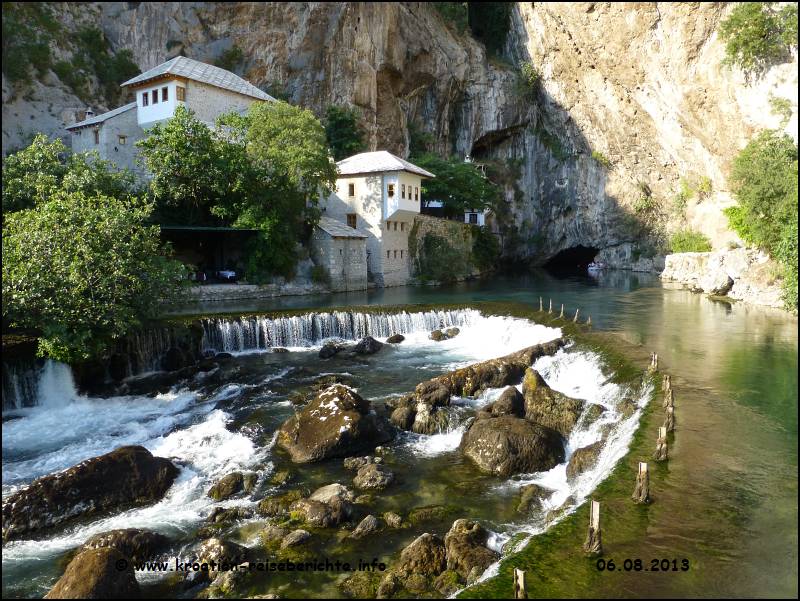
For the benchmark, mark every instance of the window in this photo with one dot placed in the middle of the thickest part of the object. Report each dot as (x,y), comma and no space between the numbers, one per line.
(351,190)
(395,254)
(155,96)
(388,225)
(180,93)
(395,225)
(387,253)
(391,190)
(401,254)
(402,191)
(351,220)
(416,192)
(340,252)
(123,140)
(164,94)
(402,229)
(145,99)
(473,218)
(97,136)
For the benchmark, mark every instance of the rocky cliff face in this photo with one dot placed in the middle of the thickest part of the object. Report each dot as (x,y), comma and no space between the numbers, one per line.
(640,83)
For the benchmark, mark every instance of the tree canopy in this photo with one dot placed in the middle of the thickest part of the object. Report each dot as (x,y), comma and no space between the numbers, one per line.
(458,184)
(82,269)
(343,133)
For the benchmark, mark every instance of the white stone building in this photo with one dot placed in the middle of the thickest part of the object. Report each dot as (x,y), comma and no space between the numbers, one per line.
(207,90)
(379,194)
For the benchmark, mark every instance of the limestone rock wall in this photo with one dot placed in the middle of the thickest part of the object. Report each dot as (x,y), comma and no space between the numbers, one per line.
(640,83)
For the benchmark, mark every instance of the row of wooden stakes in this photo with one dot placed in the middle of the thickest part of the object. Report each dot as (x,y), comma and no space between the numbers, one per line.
(641,492)
(561,315)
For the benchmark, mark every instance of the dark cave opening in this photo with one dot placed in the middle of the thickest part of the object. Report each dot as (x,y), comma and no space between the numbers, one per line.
(575,258)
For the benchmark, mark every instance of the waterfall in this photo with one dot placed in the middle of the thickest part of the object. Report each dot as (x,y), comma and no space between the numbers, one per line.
(29,385)
(258,332)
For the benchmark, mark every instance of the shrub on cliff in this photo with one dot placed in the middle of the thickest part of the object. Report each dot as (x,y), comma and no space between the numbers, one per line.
(83,270)
(689,241)
(458,184)
(758,35)
(764,183)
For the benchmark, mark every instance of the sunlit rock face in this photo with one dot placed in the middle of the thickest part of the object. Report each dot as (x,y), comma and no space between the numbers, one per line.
(640,83)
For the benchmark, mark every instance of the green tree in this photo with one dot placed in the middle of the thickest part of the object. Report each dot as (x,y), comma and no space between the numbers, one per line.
(764,182)
(33,174)
(290,142)
(83,270)
(458,184)
(758,35)
(190,175)
(343,133)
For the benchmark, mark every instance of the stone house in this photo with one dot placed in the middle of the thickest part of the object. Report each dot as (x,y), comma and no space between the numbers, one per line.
(379,195)
(342,252)
(207,90)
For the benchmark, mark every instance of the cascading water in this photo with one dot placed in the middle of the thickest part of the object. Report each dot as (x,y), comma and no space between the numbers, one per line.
(253,333)
(50,385)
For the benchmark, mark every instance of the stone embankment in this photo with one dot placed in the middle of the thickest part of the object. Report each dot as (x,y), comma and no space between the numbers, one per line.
(741,274)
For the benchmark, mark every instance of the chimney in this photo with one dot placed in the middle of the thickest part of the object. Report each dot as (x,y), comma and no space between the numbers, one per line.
(89,113)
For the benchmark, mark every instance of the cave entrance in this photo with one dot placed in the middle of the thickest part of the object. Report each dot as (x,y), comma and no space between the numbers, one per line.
(576,258)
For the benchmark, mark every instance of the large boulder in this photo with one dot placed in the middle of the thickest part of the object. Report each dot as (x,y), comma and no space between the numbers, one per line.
(127,477)
(466,548)
(549,408)
(425,556)
(324,494)
(135,544)
(329,349)
(102,573)
(322,514)
(367,346)
(336,423)
(583,459)
(232,484)
(510,445)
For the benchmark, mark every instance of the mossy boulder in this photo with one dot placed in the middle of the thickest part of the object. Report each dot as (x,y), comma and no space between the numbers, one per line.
(278,505)
(511,402)
(373,476)
(96,574)
(583,459)
(134,543)
(232,484)
(508,445)
(124,478)
(466,548)
(337,423)
(531,497)
(547,407)
(429,513)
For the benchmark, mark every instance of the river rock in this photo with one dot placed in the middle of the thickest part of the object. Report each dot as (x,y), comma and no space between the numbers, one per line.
(95,574)
(232,484)
(356,463)
(425,556)
(437,336)
(511,402)
(280,349)
(583,459)
(324,494)
(278,506)
(223,515)
(466,548)
(322,515)
(336,423)
(593,413)
(329,349)
(530,497)
(373,476)
(135,544)
(367,346)
(175,359)
(396,339)
(452,332)
(127,477)
(294,538)
(509,445)
(366,526)
(549,408)
(392,519)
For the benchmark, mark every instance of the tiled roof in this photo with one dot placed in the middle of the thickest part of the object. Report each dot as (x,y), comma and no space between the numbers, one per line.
(379,161)
(182,66)
(97,119)
(337,229)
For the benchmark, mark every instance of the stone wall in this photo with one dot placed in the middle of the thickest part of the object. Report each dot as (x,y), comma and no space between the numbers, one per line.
(458,237)
(109,147)
(344,259)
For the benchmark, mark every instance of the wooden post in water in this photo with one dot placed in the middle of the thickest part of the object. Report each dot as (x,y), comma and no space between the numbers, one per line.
(669,398)
(575,319)
(589,321)
(666,382)
(669,420)
(561,316)
(541,307)
(641,493)
(519,585)
(661,445)
(550,309)
(594,543)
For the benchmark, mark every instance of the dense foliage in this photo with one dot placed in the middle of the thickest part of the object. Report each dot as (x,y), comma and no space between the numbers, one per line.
(230,59)
(438,260)
(458,184)
(28,29)
(764,183)
(343,133)
(689,241)
(759,34)
(82,269)
(32,175)
(485,248)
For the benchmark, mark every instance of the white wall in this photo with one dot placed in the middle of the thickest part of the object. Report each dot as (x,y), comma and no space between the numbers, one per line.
(151,113)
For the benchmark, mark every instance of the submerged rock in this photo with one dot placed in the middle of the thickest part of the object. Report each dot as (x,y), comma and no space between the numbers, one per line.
(549,408)
(278,505)
(96,574)
(294,538)
(127,477)
(367,346)
(232,484)
(396,339)
(428,513)
(322,514)
(337,423)
(531,497)
(392,519)
(509,445)
(583,459)
(329,349)
(373,476)
(135,544)
(368,525)
(466,548)
(324,494)
(356,463)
